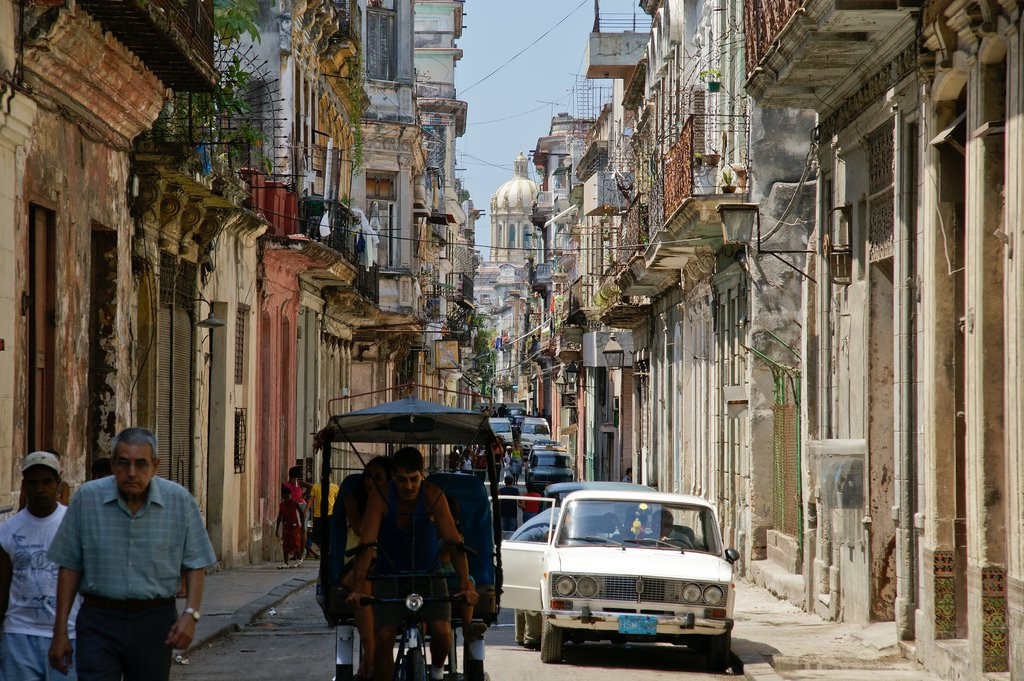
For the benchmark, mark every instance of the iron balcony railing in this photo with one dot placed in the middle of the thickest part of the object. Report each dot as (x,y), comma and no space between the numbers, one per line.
(173,38)
(620,22)
(679,170)
(343,237)
(763,21)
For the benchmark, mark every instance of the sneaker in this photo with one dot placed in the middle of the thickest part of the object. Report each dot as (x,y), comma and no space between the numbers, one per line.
(283,565)
(298,564)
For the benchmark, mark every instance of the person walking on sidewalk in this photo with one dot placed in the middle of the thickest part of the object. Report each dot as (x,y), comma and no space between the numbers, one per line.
(28,580)
(288,528)
(125,541)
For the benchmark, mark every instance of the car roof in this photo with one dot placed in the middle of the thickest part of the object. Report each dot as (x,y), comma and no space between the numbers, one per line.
(654,497)
(566,487)
(535,418)
(497,418)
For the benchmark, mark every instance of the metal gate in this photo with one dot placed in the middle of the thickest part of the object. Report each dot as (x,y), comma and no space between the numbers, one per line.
(786,494)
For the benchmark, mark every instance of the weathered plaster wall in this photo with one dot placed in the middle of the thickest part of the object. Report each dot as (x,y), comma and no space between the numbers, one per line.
(84,183)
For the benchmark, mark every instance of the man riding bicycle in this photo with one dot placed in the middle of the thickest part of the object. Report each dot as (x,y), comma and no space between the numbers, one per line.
(407,522)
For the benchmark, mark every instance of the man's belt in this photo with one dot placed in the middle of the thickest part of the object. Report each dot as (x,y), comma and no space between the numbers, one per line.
(127,605)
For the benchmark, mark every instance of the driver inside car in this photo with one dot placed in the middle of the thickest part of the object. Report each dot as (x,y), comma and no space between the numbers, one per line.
(405,522)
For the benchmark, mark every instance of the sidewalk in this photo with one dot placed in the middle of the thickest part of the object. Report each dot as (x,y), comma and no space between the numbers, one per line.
(776,640)
(233,599)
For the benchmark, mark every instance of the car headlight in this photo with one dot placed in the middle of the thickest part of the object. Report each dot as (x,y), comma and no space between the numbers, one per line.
(413,602)
(587,587)
(565,585)
(714,595)
(691,593)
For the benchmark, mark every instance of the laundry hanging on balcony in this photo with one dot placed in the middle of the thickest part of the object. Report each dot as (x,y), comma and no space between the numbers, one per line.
(367,238)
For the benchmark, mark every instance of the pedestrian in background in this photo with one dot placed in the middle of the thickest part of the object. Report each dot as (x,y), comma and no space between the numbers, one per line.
(28,579)
(529,505)
(509,507)
(288,528)
(315,502)
(125,541)
(63,490)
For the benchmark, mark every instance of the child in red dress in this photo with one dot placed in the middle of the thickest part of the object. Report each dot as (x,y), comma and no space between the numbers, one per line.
(291,517)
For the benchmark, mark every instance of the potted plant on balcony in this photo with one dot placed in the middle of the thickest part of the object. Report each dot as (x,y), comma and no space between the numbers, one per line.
(713,78)
(727,186)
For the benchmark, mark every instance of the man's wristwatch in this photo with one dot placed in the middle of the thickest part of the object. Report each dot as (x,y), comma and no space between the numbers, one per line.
(195,613)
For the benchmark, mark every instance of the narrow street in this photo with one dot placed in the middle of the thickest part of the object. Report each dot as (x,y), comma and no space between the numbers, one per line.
(290,639)
(293,642)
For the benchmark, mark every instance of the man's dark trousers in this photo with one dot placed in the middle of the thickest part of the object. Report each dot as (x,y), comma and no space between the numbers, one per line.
(112,643)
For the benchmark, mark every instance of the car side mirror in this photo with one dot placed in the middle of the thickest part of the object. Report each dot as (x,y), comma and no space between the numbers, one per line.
(732,555)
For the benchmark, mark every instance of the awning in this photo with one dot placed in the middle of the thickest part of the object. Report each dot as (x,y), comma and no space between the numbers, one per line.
(411,421)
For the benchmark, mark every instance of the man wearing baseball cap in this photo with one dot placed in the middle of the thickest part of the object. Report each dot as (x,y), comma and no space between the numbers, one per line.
(28,579)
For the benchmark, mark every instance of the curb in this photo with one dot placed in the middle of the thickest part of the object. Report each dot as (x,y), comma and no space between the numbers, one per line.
(249,612)
(755,667)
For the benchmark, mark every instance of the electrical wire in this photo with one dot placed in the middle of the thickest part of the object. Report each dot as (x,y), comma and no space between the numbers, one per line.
(520,52)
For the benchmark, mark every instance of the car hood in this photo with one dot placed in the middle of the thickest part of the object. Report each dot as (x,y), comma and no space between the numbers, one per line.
(646,562)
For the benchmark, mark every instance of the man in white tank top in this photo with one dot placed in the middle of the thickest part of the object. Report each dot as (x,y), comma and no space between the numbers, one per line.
(28,579)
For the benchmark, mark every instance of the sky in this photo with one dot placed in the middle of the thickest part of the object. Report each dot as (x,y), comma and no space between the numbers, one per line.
(526,92)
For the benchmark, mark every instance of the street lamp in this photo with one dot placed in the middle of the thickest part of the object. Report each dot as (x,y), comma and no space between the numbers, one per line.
(572,373)
(738,222)
(613,353)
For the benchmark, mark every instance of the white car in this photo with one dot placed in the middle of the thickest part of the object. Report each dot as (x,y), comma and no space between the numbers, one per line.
(627,567)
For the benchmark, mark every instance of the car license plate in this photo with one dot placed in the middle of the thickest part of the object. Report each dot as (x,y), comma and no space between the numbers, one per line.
(644,625)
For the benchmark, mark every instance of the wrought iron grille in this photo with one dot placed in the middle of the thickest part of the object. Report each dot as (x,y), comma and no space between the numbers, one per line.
(763,21)
(679,169)
(240,440)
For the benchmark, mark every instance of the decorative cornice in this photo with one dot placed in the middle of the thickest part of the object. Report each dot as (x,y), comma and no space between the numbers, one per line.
(16,115)
(871,91)
(90,74)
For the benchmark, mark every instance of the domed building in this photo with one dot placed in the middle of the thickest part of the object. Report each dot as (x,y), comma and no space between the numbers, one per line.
(512,233)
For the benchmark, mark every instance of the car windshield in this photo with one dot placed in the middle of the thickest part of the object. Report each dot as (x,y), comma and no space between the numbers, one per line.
(632,524)
(536,428)
(501,426)
(551,459)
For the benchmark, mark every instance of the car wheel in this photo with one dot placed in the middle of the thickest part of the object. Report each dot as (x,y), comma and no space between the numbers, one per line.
(551,641)
(718,652)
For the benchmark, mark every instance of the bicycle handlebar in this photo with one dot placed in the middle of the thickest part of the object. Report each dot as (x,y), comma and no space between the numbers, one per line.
(371,600)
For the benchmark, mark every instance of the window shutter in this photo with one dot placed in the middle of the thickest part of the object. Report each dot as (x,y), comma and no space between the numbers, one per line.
(380,41)
(163,390)
(181,417)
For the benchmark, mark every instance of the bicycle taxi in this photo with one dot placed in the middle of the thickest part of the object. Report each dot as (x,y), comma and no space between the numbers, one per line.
(473,501)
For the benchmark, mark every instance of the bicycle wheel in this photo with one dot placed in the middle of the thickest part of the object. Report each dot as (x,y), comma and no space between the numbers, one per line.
(413,667)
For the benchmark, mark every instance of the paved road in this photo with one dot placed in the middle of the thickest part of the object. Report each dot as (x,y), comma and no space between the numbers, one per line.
(294,643)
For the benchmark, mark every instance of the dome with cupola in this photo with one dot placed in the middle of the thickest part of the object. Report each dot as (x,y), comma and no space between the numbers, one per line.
(513,237)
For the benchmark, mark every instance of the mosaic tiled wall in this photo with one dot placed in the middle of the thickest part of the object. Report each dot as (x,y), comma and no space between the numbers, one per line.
(994,630)
(945,605)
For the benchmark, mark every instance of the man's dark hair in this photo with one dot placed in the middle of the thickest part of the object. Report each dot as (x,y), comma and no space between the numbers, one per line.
(509,479)
(408,458)
(100,468)
(295,472)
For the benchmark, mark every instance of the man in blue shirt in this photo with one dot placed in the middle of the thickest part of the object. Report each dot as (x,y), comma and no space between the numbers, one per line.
(124,543)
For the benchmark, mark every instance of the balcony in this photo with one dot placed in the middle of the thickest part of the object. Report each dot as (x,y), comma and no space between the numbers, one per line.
(617,43)
(173,38)
(601,194)
(679,170)
(459,288)
(798,53)
(543,275)
(595,158)
(581,299)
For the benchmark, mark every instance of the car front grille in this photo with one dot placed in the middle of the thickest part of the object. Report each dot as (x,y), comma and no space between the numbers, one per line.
(639,589)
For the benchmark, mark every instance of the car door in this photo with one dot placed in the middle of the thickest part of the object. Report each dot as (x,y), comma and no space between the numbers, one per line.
(522,565)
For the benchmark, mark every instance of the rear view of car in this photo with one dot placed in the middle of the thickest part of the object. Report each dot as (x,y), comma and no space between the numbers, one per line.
(548,465)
